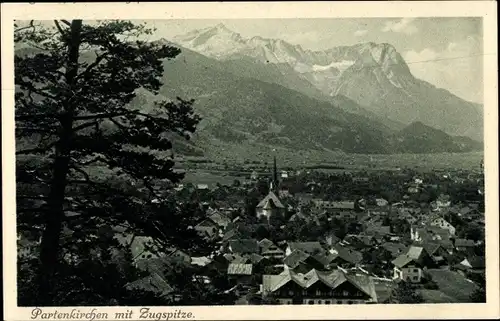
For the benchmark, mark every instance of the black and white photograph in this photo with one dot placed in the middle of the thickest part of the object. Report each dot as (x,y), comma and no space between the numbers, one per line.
(222,162)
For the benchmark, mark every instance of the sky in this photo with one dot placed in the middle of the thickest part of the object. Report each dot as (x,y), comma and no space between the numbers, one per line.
(446,52)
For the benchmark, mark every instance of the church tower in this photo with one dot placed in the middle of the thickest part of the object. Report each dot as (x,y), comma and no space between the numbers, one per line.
(271,204)
(274,181)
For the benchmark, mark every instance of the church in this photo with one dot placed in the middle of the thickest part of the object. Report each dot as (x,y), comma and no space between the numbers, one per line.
(271,204)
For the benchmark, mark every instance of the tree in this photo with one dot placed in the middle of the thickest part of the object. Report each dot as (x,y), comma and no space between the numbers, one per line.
(479,294)
(90,145)
(405,293)
(236,183)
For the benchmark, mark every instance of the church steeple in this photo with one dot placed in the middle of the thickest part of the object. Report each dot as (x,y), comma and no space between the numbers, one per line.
(275,172)
(273,185)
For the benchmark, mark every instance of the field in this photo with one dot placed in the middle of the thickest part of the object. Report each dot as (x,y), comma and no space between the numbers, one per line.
(250,153)
(209,178)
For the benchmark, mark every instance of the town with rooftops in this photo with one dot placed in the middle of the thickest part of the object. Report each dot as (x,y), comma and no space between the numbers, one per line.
(285,237)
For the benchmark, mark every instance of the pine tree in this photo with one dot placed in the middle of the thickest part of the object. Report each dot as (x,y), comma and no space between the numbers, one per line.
(89,153)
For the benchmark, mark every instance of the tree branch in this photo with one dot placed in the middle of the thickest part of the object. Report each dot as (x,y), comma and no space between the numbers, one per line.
(81,171)
(31,25)
(58,26)
(93,65)
(85,125)
(36,150)
(106,115)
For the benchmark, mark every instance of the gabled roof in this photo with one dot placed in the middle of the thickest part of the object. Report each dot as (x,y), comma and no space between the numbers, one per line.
(474,262)
(347,254)
(255,258)
(201,260)
(206,223)
(270,201)
(402,260)
(431,247)
(396,249)
(153,283)
(244,246)
(239,269)
(464,243)
(331,279)
(308,247)
(220,219)
(265,243)
(231,234)
(240,260)
(414,254)
(446,244)
(295,258)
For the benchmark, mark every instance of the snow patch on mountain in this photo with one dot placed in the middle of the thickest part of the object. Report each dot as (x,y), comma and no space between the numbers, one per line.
(341,65)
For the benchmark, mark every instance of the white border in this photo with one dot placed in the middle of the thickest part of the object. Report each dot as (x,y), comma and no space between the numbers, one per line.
(219,10)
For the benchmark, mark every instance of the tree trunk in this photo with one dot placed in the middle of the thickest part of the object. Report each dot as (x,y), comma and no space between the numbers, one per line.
(49,247)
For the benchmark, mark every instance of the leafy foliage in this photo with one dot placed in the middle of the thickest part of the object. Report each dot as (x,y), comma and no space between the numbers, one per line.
(405,293)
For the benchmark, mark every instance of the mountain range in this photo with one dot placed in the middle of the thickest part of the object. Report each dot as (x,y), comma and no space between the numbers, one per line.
(374,76)
(263,94)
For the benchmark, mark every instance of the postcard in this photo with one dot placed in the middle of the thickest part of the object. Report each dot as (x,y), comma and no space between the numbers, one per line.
(253,160)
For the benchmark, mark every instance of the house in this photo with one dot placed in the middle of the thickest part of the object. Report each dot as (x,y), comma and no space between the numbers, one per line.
(207,228)
(269,206)
(258,261)
(379,230)
(396,249)
(240,273)
(179,187)
(304,199)
(305,219)
(301,262)
(254,176)
(381,202)
(284,174)
(345,256)
(269,250)
(202,187)
(413,189)
(335,206)
(177,255)
(331,239)
(360,241)
(156,279)
(442,223)
(438,253)
(153,282)
(144,247)
(244,246)
(472,263)
(316,287)
(231,234)
(221,219)
(464,245)
(409,266)
(284,193)
(307,247)
(443,201)
(428,233)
